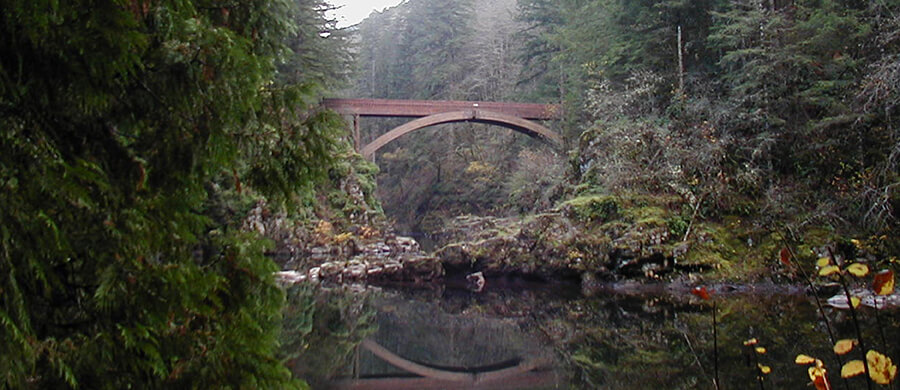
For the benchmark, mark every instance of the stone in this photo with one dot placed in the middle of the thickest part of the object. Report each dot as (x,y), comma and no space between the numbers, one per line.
(475,281)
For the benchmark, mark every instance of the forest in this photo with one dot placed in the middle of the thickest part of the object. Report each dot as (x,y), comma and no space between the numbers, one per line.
(778,110)
(161,160)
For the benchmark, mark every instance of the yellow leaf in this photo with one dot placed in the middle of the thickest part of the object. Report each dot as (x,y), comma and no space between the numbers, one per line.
(750,342)
(829,270)
(881,369)
(858,270)
(844,346)
(804,359)
(852,369)
(764,369)
(855,301)
(823,262)
(760,350)
(342,238)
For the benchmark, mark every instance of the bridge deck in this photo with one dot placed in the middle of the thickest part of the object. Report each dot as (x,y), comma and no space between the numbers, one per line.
(423,108)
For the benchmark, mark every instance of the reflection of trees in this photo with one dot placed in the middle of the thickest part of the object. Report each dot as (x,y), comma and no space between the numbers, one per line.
(322,329)
(614,341)
(640,343)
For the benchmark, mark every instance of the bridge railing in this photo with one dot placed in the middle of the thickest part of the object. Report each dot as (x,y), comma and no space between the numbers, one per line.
(423,108)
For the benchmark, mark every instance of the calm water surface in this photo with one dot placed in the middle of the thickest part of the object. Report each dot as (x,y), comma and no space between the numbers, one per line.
(525,336)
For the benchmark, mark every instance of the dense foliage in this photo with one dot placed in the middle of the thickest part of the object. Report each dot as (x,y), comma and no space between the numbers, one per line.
(759,114)
(121,123)
(135,134)
(783,110)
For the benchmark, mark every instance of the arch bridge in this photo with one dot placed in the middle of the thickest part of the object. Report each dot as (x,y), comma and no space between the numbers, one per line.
(520,117)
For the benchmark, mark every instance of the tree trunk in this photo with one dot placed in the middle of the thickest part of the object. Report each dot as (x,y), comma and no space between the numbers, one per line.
(680,64)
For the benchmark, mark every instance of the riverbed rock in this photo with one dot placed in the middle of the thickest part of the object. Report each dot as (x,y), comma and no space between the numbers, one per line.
(476,281)
(319,251)
(867,298)
(406,268)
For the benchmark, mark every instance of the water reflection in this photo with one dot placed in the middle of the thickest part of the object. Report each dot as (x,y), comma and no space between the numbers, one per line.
(529,372)
(450,339)
(534,337)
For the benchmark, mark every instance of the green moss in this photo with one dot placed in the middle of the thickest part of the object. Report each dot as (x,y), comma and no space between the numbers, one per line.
(713,248)
(588,189)
(813,238)
(646,215)
(592,208)
(735,249)
(678,225)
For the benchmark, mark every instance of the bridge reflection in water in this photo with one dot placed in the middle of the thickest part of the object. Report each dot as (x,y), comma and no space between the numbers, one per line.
(530,373)
(419,346)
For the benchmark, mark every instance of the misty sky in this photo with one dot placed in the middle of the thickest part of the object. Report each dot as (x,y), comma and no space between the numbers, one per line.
(353,11)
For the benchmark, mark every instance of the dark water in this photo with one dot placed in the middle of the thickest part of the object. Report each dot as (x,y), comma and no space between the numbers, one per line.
(526,336)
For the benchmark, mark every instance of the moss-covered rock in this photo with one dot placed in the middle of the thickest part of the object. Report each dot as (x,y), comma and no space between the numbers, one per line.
(591,208)
(606,236)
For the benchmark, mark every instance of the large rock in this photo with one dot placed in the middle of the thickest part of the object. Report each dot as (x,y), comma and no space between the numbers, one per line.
(557,245)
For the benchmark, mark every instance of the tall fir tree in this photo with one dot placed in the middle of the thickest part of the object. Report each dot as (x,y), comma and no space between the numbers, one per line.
(116,118)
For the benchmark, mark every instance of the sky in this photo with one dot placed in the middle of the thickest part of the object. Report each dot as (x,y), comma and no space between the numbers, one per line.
(354,11)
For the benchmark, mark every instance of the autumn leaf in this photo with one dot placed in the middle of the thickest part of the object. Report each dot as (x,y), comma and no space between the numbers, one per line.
(804,359)
(881,369)
(701,292)
(760,350)
(785,255)
(884,282)
(817,376)
(844,346)
(750,342)
(852,369)
(823,262)
(855,301)
(829,270)
(764,369)
(858,270)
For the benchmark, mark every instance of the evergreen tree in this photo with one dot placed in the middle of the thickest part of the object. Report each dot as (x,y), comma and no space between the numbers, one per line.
(790,69)
(434,47)
(383,71)
(541,20)
(116,118)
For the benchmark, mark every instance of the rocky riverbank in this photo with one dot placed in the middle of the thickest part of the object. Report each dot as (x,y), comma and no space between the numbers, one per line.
(322,252)
(604,244)
(589,237)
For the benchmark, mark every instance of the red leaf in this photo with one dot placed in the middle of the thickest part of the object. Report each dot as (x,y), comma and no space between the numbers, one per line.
(785,256)
(701,292)
(884,282)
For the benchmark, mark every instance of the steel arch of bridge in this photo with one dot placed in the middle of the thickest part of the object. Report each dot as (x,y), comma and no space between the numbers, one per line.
(516,116)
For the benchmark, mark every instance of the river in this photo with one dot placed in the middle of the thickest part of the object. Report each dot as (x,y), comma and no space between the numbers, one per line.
(521,335)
